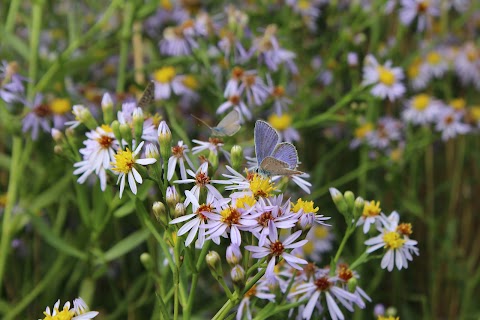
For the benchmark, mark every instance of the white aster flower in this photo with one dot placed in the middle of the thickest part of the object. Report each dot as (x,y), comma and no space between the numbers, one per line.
(423,10)
(385,79)
(180,156)
(449,123)
(421,109)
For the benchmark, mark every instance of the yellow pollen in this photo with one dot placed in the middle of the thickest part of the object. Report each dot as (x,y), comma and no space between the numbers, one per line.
(392,240)
(371,209)
(106,128)
(230,216)
(458,104)
(190,82)
(124,161)
(165,74)
(280,123)
(245,202)
(362,131)
(261,187)
(60,106)
(405,228)
(307,206)
(421,101)
(65,314)
(434,58)
(386,76)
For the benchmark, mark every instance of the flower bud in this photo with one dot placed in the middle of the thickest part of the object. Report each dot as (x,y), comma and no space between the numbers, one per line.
(350,199)
(165,140)
(151,151)
(58,149)
(214,262)
(179,210)
(107,108)
(238,275)
(116,131)
(236,157)
(172,196)
(126,133)
(86,117)
(234,255)
(159,211)
(378,310)
(146,260)
(213,163)
(358,207)
(391,312)
(57,135)
(138,123)
(339,201)
(352,284)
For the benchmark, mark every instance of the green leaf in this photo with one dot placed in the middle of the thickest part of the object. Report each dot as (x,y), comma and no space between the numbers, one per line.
(124,246)
(50,195)
(124,210)
(54,240)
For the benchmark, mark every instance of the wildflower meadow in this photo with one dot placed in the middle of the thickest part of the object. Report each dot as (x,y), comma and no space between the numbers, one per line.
(270,159)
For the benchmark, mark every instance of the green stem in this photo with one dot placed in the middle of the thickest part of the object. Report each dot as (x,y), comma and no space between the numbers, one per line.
(347,235)
(15,170)
(34,44)
(12,15)
(128,14)
(188,309)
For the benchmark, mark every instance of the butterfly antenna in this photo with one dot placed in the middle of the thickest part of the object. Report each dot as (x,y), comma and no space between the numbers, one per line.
(201,121)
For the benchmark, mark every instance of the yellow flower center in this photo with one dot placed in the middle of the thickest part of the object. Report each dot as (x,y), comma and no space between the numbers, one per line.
(246,202)
(166,4)
(106,128)
(65,314)
(371,209)
(392,240)
(396,154)
(303,4)
(421,101)
(363,130)
(405,228)
(385,76)
(434,58)
(475,113)
(260,186)
(124,161)
(458,104)
(320,232)
(165,74)
(388,318)
(60,106)
(307,206)
(280,123)
(230,216)
(190,82)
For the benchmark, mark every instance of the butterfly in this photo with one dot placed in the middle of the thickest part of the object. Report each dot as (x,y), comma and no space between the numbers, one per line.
(274,158)
(228,126)
(147,95)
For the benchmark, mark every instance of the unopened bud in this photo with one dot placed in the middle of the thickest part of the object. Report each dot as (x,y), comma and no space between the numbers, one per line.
(138,123)
(391,312)
(352,284)
(236,157)
(213,163)
(116,131)
(234,255)
(350,199)
(214,262)
(151,151)
(126,133)
(238,275)
(107,108)
(159,211)
(165,140)
(339,201)
(358,207)
(58,149)
(57,135)
(86,117)
(179,210)
(172,196)
(146,260)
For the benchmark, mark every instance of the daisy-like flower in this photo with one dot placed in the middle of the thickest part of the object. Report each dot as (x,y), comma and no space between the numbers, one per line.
(421,109)
(308,11)
(229,219)
(37,118)
(77,111)
(322,283)
(280,100)
(370,215)
(418,74)
(394,238)
(274,248)
(126,116)
(11,83)
(388,130)
(283,124)
(213,145)
(60,108)
(260,291)
(253,184)
(163,79)
(79,311)
(254,87)
(436,63)
(124,164)
(467,64)
(423,10)
(279,215)
(344,273)
(180,156)
(308,214)
(99,152)
(449,123)
(361,133)
(197,218)
(179,40)
(201,180)
(385,79)
(235,101)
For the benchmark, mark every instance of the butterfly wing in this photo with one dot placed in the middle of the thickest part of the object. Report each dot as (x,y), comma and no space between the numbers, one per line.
(266,139)
(271,166)
(147,96)
(229,125)
(286,152)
